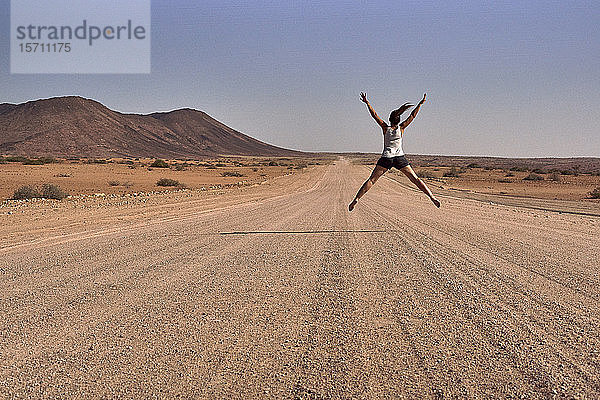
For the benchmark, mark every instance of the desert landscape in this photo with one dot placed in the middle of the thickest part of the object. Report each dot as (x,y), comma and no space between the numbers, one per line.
(190,206)
(195,273)
(274,290)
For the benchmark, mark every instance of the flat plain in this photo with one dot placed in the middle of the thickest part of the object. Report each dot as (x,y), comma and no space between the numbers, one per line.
(275,290)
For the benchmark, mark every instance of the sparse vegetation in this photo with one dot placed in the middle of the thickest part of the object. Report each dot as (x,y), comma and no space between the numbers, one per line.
(473,165)
(33,162)
(452,173)
(165,182)
(504,180)
(180,166)
(158,163)
(519,169)
(20,159)
(509,174)
(26,192)
(47,191)
(423,173)
(231,173)
(595,194)
(117,183)
(50,191)
(555,177)
(533,177)
(97,161)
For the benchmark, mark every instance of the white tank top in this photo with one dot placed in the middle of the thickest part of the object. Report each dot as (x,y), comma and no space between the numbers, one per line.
(392,142)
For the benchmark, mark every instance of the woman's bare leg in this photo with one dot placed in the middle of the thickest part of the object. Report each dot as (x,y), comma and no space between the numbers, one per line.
(376,174)
(408,171)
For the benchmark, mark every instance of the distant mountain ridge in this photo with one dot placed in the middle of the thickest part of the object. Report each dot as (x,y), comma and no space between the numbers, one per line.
(74,126)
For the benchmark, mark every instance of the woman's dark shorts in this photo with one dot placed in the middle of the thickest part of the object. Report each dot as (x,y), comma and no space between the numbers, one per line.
(389,162)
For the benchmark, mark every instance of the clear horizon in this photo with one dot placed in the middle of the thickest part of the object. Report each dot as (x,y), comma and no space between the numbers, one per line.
(502,80)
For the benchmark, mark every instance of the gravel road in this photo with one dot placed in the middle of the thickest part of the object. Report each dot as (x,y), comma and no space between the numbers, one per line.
(277,291)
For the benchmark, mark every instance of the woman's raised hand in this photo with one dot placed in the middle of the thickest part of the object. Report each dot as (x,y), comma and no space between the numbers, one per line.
(424,96)
(363,97)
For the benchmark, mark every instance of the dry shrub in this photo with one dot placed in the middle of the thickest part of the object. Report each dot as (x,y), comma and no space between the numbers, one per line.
(533,177)
(169,182)
(159,164)
(47,191)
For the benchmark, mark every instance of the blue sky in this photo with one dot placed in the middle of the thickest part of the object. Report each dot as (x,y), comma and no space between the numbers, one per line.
(503,78)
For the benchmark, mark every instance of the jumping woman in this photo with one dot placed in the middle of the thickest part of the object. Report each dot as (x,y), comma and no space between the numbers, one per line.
(393,156)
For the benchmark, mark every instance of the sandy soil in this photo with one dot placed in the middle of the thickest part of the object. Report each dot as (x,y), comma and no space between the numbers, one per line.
(121,176)
(565,187)
(277,291)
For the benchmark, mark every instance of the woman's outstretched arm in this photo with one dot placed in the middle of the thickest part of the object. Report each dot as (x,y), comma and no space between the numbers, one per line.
(413,114)
(363,98)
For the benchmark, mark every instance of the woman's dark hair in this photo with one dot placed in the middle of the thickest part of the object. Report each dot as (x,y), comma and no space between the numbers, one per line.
(395,115)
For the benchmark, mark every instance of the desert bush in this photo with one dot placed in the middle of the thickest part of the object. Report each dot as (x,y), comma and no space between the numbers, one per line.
(473,165)
(423,173)
(158,163)
(97,161)
(255,169)
(273,163)
(33,162)
(508,174)
(504,180)
(51,191)
(519,169)
(16,159)
(2,160)
(538,171)
(555,176)
(301,166)
(231,173)
(180,167)
(220,165)
(533,177)
(26,192)
(595,194)
(48,191)
(169,182)
(453,173)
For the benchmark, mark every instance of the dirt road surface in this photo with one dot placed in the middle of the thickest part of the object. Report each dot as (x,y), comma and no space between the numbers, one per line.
(277,291)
